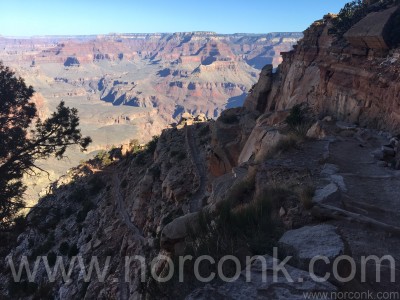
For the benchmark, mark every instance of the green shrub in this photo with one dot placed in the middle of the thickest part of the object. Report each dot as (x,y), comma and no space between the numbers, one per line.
(240,193)
(298,120)
(353,12)
(103,157)
(134,145)
(238,225)
(296,116)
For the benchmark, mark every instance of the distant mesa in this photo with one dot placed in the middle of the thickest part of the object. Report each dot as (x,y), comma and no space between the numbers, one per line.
(71,61)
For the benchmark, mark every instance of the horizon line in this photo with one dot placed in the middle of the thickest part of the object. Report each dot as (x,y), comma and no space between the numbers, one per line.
(144,33)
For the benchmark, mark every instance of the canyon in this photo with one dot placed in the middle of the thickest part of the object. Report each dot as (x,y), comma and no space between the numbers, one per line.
(309,165)
(131,86)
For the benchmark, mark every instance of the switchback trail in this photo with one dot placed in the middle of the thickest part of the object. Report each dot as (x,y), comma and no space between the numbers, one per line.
(120,206)
(196,199)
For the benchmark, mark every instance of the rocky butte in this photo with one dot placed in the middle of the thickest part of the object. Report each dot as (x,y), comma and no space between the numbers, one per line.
(309,164)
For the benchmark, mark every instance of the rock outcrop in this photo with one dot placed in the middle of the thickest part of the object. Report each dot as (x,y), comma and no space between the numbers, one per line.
(335,79)
(259,288)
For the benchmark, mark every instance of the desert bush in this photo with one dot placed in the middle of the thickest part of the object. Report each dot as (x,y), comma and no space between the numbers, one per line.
(134,145)
(103,157)
(296,116)
(241,221)
(348,16)
(299,120)
(306,194)
(353,12)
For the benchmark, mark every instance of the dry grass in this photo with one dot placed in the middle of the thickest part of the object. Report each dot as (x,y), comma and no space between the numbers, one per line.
(306,193)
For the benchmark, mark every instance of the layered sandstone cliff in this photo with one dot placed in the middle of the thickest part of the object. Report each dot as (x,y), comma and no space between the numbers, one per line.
(358,85)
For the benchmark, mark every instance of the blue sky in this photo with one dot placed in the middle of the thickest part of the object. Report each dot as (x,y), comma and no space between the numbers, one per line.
(40,17)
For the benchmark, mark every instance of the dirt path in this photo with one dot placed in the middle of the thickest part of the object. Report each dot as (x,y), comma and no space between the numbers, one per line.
(369,207)
(198,163)
(120,207)
(372,191)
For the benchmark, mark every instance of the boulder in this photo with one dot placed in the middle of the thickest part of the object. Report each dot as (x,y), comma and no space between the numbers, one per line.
(329,169)
(305,243)
(345,126)
(378,154)
(176,231)
(187,116)
(388,151)
(262,141)
(201,117)
(257,288)
(316,131)
(339,181)
(328,193)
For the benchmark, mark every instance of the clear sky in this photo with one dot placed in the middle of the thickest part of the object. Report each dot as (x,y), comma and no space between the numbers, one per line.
(52,17)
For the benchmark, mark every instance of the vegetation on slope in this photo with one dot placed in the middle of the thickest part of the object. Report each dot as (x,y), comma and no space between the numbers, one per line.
(23,143)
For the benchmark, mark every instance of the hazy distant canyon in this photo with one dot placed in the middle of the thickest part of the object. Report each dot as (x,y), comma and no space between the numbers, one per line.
(128,86)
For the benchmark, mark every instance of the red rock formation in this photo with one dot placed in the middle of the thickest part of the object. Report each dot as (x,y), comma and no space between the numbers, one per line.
(356,85)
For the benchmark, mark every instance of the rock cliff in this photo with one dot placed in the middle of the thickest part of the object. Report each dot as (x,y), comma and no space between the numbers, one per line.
(358,85)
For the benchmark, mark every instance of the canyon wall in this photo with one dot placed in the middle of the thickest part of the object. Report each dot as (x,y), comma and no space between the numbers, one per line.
(358,85)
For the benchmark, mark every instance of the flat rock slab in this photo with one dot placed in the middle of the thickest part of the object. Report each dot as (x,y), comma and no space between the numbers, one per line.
(328,193)
(178,228)
(257,288)
(305,243)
